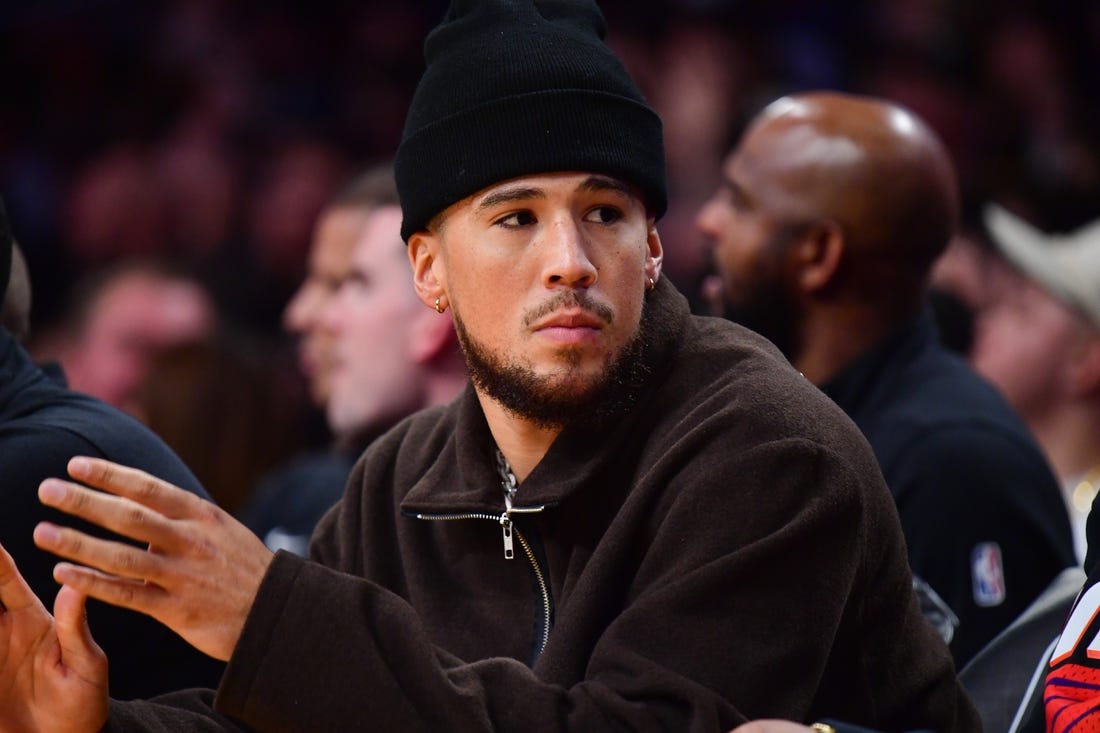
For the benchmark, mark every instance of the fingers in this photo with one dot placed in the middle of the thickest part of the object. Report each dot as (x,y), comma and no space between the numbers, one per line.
(116,558)
(117,514)
(123,592)
(15,594)
(147,490)
(78,649)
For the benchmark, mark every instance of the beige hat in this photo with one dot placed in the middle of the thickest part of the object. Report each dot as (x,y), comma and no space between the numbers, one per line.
(1067,265)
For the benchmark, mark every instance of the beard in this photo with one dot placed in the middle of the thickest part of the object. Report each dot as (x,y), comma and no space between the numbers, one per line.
(761,300)
(569,399)
(767,311)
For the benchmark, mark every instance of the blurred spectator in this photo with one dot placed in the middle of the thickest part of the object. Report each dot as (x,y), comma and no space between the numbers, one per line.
(390,356)
(1039,342)
(371,351)
(283,506)
(119,320)
(116,208)
(832,211)
(335,236)
(201,182)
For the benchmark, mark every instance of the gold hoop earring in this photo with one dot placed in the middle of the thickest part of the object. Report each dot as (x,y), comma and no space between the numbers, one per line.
(438,307)
(652,284)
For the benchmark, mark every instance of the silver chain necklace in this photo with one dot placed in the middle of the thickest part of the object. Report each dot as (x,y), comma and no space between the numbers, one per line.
(507,479)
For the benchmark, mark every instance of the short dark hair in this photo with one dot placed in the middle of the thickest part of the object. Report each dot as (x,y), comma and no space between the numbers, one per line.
(369,189)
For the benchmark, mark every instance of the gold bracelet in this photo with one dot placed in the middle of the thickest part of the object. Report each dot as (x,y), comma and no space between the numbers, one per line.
(823,728)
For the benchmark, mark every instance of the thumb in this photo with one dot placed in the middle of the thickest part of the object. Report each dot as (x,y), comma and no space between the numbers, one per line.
(79,652)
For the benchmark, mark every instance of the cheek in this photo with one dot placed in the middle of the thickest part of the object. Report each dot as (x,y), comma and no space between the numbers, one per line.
(739,259)
(361,359)
(493,307)
(1016,360)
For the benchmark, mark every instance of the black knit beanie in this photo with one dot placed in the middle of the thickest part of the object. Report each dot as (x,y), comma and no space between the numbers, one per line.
(7,241)
(521,87)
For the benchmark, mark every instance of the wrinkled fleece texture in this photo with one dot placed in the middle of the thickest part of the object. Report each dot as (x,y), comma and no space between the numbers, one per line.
(726,550)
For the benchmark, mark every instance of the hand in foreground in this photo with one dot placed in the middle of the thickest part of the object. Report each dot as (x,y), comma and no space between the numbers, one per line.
(772,726)
(200,574)
(53,676)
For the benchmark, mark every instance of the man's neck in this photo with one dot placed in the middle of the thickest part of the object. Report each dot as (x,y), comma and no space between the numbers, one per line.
(522,442)
(830,341)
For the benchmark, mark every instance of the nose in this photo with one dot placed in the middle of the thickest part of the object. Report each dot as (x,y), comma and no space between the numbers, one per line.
(301,311)
(704,220)
(567,261)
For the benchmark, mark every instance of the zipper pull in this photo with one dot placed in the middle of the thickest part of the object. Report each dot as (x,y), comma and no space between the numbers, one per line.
(506,525)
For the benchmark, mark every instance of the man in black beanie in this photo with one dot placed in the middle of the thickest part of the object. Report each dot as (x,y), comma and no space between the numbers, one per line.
(633,519)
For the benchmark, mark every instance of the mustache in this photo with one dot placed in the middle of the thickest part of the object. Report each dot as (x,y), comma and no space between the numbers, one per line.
(570,299)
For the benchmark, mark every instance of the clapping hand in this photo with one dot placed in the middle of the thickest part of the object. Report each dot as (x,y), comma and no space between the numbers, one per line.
(53,676)
(200,569)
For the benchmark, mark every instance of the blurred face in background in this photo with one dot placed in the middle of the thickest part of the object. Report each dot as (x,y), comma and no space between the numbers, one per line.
(135,318)
(1025,342)
(749,226)
(372,321)
(337,232)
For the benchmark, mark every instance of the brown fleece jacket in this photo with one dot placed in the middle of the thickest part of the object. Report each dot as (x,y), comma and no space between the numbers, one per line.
(727,550)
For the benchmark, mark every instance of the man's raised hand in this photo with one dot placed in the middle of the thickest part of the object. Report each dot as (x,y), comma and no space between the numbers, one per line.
(200,573)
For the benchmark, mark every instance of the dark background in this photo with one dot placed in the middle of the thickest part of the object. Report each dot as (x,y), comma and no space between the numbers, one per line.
(212,131)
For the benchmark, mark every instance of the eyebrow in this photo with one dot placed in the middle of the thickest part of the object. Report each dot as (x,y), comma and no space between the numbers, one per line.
(509,195)
(356,274)
(603,183)
(525,193)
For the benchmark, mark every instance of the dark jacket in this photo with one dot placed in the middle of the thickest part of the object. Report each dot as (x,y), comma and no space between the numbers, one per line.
(42,426)
(983,515)
(727,550)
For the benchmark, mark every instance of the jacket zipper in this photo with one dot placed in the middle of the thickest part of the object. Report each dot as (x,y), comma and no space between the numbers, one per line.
(509,530)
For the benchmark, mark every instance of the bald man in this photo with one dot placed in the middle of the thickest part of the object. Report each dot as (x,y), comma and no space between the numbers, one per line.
(832,211)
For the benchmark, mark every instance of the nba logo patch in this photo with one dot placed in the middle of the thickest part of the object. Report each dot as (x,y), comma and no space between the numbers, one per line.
(988,574)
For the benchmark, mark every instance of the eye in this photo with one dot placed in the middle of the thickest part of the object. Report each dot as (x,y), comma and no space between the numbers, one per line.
(331,284)
(738,199)
(604,215)
(516,219)
(353,282)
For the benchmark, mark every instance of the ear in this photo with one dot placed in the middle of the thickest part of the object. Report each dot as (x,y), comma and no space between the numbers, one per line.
(429,273)
(815,256)
(1083,368)
(655,253)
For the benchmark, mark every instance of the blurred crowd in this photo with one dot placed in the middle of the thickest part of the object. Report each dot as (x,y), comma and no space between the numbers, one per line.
(184,149)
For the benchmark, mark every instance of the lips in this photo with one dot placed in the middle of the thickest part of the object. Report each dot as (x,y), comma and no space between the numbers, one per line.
(306,363)
(571,328)
(313,356)
(570,319)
